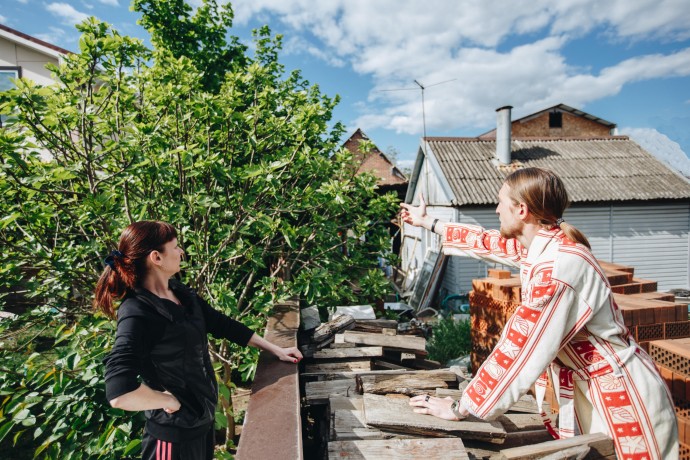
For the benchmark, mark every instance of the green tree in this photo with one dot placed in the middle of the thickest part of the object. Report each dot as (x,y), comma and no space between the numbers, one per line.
(234,152)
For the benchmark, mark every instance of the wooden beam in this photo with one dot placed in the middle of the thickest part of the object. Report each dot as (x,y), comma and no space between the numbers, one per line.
(597,442)
(395,414)
(439,448)
(356,352)
(338,366)
(327,330)
(398,342)
(319,392)
(409,383)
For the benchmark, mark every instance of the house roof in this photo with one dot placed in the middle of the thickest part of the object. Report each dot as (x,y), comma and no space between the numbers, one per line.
(32,42)
(593,170)
(375,161)
(562,108)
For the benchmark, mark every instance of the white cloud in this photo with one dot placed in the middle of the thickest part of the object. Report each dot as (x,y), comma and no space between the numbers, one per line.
(67,13)
(660,146)
(109,2)
(3,18)
(469,41)
(54,35)
(297,45)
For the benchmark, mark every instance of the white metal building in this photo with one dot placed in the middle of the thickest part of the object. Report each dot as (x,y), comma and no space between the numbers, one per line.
(633,209)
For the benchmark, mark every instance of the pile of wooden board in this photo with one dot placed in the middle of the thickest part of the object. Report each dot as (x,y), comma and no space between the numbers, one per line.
(363,381)
(673,360)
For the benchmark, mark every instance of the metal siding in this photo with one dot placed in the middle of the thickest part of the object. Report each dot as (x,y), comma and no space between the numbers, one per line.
(594,222)
(654,240)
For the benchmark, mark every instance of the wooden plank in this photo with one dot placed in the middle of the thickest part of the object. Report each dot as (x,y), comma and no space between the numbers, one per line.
(382,364)
(573,453)
(347,421)
(409,383)
(348,425)
(419,363)
(598,442)
(405,385)
(354,402)
(354,374)
(395,414)
(513,423)
(438,448)
(338,366)
(375,325)
(329,329)
(526,404)
(398,342)
(356,352)
(319,392)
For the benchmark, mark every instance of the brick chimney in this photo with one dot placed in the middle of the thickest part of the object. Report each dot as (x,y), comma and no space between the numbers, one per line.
(503,129)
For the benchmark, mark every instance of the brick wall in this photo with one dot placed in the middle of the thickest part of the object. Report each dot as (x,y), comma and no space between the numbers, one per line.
(572,126)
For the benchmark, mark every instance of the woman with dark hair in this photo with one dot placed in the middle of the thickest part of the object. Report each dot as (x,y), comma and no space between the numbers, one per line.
(567,325)
(160,361)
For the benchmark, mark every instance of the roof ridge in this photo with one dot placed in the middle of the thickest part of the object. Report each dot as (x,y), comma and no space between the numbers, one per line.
(38,41)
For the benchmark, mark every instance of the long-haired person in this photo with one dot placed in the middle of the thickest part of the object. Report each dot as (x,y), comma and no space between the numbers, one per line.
(567,324)
(160,361)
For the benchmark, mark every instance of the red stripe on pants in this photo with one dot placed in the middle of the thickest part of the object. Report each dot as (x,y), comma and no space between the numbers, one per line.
(163,450)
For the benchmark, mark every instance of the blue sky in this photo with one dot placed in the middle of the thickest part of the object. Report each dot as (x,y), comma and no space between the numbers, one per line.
(626,61)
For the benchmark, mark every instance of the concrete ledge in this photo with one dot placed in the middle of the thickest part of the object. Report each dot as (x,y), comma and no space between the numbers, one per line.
(272,424)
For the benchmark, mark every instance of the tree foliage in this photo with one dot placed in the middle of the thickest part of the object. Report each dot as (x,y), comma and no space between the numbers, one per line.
(230,149)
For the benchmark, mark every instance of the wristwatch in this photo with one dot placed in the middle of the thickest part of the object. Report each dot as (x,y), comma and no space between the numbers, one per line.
(455,408)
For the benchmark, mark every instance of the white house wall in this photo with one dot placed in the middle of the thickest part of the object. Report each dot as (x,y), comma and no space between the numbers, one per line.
(32,62)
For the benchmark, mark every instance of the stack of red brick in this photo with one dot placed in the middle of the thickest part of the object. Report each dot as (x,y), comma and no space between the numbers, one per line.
(649,315)
(492,301)
(672,357)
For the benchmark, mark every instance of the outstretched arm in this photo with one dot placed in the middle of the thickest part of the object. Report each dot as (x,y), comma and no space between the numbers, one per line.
(417,216)
(464,239)
(290,354)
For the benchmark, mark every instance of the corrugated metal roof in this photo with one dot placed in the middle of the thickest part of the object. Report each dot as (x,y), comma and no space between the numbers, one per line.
(605,169)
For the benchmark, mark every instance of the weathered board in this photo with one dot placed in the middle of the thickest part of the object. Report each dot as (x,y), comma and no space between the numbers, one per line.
(397,342)
(318,392)
(327,330)
(438,448)
(347,421)
(339,366)
(521,422)
(598,443)
(356,352)
(375,325)
(526,404)
(409,383)
(395,414)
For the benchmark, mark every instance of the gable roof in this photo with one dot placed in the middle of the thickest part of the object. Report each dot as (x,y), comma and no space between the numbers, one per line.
(32,42)
(375,162)
(594,170)
(561,107)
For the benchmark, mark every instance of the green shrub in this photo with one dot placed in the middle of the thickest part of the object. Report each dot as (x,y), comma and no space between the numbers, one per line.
(450,340)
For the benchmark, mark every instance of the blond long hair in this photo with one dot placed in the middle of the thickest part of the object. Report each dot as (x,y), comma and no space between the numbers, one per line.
(546,198)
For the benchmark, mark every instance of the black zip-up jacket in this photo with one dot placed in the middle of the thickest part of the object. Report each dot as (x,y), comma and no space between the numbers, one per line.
(166,346)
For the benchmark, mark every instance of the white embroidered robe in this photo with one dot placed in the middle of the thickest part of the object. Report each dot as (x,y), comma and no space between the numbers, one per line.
(569,325)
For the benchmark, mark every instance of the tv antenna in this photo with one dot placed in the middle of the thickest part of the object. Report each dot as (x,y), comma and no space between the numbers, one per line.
(422,88)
